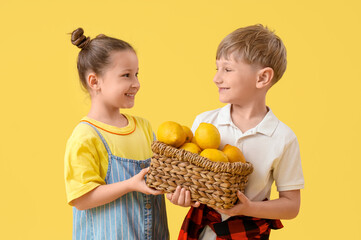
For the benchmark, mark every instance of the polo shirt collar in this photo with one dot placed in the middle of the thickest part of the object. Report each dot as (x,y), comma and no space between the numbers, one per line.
(224,116)
(267,126)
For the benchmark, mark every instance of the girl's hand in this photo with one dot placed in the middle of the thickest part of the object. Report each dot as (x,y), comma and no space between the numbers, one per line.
(137,183)
(182,197)
(240,208)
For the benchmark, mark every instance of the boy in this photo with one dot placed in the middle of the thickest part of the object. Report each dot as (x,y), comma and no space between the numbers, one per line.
(249,62)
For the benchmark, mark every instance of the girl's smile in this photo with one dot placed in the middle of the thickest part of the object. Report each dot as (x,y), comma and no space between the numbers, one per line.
(130,95)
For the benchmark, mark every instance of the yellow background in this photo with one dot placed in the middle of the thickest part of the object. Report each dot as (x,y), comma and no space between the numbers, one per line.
(41,100)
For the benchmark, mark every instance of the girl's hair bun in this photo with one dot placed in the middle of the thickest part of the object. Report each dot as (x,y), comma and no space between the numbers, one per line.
(101,36)
(78,38)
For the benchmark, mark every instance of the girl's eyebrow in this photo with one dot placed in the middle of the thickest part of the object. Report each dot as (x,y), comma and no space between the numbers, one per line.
(128,69)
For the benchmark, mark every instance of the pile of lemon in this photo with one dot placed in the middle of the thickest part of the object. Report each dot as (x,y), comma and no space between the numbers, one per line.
(205,142)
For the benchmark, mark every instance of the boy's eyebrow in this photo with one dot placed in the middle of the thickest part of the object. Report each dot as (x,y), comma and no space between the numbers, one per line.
(225,62)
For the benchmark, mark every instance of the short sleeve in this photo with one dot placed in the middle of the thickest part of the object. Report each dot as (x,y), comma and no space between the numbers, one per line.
(147,128)
(150,131)
(81,167)
(287,171)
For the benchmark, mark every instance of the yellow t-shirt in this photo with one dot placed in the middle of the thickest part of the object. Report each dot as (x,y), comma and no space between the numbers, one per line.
(86,158)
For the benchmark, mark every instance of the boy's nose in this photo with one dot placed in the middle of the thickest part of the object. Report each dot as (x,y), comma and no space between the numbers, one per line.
(217,79)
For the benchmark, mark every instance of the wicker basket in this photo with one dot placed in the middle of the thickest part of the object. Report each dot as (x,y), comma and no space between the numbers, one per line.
(211,183)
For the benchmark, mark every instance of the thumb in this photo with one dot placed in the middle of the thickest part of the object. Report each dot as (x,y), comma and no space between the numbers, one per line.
(196,204)
(242,198)
(144,172)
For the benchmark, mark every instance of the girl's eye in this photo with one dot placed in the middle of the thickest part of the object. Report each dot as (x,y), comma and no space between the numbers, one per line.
(228,70)
(136,75)
(125,75)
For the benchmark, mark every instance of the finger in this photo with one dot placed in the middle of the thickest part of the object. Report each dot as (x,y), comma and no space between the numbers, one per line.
(155,192)
(152,191)
(181,198)
(169,196)
(176,195)
(143,172)
(187,200)
(224,211)
(196,204)
(242,198)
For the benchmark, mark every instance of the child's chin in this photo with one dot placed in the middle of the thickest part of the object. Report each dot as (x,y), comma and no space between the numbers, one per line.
(125,106)
(223,100)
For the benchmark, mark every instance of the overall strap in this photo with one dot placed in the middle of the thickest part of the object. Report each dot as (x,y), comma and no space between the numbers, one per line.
(101,137)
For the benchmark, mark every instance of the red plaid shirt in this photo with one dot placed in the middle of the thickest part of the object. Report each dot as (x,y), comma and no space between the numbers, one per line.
(236,227)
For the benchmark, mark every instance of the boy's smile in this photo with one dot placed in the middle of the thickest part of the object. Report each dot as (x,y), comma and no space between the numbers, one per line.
(222,89)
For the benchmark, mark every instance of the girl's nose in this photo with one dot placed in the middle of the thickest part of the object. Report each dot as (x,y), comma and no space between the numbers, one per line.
(136,83)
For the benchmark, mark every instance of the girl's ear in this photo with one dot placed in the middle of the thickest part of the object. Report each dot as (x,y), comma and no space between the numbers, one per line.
(93,82)
(264,78)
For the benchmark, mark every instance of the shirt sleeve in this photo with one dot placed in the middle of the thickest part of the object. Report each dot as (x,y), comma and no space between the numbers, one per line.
(287,171)
(81,167)
(151,133)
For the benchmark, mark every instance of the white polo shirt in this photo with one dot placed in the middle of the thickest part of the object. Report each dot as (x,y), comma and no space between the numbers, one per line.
(271,147)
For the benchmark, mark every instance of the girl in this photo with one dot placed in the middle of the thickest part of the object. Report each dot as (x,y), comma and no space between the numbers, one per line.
(108,153)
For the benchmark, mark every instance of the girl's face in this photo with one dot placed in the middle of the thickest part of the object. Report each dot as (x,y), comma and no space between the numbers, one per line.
(119,83)
(236,80)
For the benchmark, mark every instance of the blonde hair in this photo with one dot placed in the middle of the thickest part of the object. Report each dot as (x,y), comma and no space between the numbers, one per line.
(256,45)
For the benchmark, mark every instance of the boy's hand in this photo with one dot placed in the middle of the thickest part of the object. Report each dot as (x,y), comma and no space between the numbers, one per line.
(238,209)
(137,183)
(182,197)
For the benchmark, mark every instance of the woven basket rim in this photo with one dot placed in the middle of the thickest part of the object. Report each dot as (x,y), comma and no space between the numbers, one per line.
(218,167)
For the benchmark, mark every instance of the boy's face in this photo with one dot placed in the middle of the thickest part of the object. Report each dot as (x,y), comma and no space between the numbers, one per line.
(236,80)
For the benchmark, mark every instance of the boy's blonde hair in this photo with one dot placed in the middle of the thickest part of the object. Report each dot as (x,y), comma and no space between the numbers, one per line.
(256,45)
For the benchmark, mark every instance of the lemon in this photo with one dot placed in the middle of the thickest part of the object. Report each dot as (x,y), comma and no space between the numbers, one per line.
(207,136)
(189,134)
(191,147)
(214,155)
(171,133)
(194,141)
(233,153)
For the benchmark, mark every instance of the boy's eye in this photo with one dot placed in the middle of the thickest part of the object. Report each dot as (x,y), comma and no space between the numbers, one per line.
(136,75)
(228,70)
(125,75)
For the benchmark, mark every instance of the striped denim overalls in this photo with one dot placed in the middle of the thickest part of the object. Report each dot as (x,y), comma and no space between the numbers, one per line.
(133,216)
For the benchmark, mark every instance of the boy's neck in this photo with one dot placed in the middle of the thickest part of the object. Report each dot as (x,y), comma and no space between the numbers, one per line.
(107,115)
(246,117)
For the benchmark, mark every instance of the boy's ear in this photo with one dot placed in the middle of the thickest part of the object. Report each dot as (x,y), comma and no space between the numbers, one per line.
(93,82)
(265,76)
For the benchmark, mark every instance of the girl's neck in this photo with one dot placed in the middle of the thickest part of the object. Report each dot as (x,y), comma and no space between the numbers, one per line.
(249,115)
(107,114)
